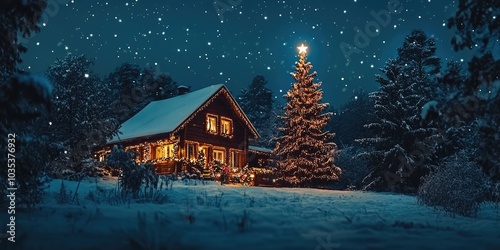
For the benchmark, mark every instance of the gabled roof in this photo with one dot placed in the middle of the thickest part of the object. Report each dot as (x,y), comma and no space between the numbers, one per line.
(170,115)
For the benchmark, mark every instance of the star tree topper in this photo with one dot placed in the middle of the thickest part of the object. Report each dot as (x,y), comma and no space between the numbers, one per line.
(302,49)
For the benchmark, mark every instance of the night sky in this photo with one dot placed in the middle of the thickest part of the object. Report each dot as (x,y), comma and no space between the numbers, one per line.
(198,47)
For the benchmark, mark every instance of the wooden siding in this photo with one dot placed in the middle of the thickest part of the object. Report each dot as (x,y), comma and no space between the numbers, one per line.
(166,167)
(196,130)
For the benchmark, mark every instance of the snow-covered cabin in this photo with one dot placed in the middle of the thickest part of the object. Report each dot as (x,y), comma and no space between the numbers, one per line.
(208,120)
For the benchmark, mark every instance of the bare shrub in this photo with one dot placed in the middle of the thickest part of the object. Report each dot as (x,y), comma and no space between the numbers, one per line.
(64,196)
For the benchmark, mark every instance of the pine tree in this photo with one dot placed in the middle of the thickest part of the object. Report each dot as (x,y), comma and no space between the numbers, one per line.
(125,78)
(403,146)
(478,27)
(19,19)
(19,93)
(305,157)
(456,126)
(22,98)
(257,103)
(134,88)
(78,119)
(123,81)
(164,87)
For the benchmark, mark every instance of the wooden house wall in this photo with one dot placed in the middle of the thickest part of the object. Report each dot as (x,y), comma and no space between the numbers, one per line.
(196,130)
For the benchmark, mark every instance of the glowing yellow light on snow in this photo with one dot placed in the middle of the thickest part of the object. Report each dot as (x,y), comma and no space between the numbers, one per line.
(302,49)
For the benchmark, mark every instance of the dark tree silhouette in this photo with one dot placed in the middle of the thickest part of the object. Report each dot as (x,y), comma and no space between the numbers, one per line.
(257,102)
(478,26)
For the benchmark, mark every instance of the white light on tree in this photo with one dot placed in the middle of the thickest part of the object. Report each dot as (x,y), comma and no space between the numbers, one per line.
(305,151)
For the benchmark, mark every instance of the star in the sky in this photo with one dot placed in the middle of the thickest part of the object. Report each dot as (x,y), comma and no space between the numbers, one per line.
(302,49)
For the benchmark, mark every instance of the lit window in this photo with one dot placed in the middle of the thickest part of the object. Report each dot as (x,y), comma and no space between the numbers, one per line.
(164,151)
(159,152)
(226,126)
(168,150)
(236,159)
(212,124)
(219,155)
(190,151)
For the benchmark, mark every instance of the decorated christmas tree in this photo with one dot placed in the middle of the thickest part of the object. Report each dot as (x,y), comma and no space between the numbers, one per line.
(304,151)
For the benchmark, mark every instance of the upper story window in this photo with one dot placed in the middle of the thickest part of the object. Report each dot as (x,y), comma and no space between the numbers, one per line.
(226,126)
(212,124)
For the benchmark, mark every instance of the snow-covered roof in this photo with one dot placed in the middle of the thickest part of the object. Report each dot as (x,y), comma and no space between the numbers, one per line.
(260,149)
(164,116)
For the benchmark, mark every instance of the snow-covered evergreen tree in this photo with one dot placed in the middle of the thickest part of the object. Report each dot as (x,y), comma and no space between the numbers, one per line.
(478,27)
(403,146)
(454,120)
(198,165)
(78,119)
(304,153)
(19,93)
(22,98)
(18,21)
(257,103)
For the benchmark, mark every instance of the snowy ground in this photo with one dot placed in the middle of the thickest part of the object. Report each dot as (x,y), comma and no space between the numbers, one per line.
(211,216)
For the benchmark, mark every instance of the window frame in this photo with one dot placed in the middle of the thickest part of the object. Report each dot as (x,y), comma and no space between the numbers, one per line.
(212,129)
(194,151)
(165,149)
(229,122)
(158,148)
(168,150)
(223,154)
(239,159)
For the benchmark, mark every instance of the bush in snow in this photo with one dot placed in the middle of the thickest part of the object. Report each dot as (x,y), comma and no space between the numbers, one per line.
(133,176)
(195,168)
(32,161)
(458,186)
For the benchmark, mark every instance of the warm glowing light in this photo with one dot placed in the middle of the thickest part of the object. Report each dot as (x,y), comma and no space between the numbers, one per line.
(302,49)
